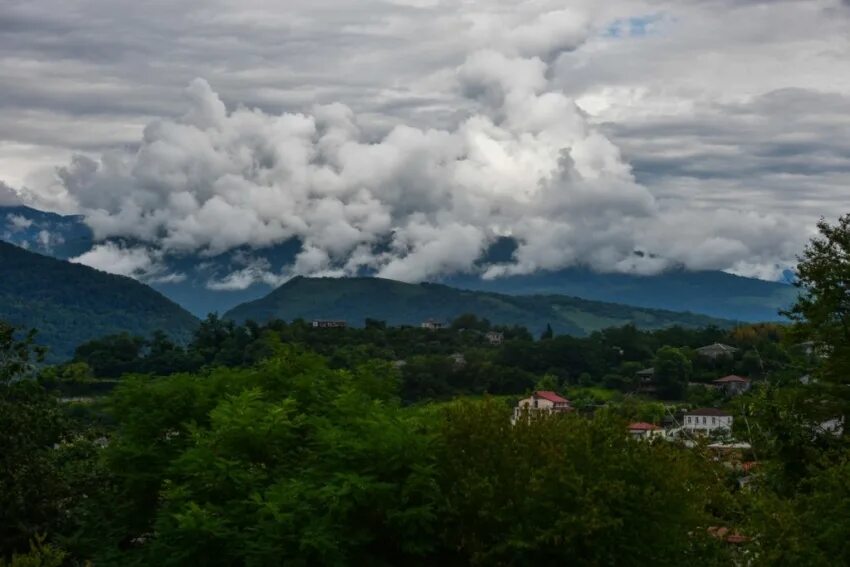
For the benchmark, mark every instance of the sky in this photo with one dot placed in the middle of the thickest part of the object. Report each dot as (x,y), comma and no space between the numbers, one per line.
(406,136)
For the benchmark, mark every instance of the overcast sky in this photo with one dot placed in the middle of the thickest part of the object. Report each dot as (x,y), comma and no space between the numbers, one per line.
(407,135)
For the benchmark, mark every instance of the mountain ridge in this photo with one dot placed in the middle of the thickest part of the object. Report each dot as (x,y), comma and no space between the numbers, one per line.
(70,303)
(398,303)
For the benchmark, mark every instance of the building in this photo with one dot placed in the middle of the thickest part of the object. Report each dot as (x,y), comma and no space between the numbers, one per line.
(732,385)
(645,380)
(542,401)
(495,338)
(717,350)
(643,430)
(458,359)
(432,325)
(707,420)
(329,324)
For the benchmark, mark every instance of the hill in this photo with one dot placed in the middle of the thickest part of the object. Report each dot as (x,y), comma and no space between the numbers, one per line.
(712,293)
(355,299)
(70,304)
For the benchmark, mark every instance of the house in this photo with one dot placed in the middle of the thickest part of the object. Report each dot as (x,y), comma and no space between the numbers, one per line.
(495,338)
(432,325)
(458,359)
(707,420)
(329,324)
(645,381)
(717,350)
(544,401)
(643,430)
(732,385)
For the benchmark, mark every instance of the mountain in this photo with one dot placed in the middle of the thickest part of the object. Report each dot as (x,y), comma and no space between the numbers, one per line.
(46,233)
(397,303)
(204,284)
(713,293)
(70,304)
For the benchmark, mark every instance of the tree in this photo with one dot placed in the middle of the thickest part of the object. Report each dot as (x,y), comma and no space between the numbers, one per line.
(31,422)
(822,311)
(672,371)
(547,334)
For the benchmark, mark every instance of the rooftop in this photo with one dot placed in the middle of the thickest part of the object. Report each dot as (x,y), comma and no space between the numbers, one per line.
(710,412)
(551,396)
(642,426)
(731,378)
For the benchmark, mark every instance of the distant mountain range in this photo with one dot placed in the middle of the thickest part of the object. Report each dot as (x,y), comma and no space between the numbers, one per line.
(397,303)
(202,286)
(69,304)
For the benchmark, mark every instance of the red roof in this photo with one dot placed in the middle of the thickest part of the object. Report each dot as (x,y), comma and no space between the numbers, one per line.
(730,378)
(551,396)
(642,426)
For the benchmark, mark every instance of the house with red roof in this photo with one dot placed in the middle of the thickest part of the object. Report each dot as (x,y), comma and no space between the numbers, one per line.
(732,385)
(644,430)
(542,401)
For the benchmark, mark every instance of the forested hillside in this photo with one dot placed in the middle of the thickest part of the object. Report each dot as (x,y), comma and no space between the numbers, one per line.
(397,303)
(713,293)
(70,304)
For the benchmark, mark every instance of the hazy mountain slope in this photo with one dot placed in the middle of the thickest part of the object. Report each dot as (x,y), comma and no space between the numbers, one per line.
(713,293)
(69,303)
(355,299)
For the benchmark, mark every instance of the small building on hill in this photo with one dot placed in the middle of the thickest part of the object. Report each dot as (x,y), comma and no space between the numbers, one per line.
(644,430)
(645,380)
(707,420)
(542,401)
(432,325)
(329,324)
(495,338)
(717,350)
(732,385)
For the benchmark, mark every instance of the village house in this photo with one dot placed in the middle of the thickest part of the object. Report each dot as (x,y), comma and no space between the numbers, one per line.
(707,420)
(495,338)
(644,430)
(432,325)
(542,401)
(329,324)
(732,385)
(717,350)
(645,381)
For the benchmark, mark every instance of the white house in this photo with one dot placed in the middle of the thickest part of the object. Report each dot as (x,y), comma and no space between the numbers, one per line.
(716,350)
(495,338)
(707,420)
(432,325)
(329,324)
(643,430)
(542,401)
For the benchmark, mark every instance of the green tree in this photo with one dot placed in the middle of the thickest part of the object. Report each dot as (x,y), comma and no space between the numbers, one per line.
(31,422)
(547,333)
(672,371)
(822,311)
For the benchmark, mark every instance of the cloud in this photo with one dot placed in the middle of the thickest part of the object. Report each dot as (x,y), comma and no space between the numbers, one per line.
(133,261)
(710,134)
(8,196)
(17,222)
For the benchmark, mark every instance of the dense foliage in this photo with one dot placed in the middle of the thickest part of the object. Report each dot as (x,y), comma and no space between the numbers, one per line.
(70,303)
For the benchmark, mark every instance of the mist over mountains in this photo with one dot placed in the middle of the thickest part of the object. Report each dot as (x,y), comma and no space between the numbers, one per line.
(218,283)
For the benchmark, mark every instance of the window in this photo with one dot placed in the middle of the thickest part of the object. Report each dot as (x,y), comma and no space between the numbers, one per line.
(535,403)
(703,420)
(689,419)
(713,421)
